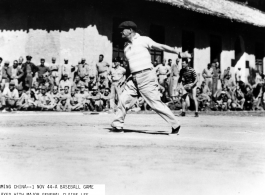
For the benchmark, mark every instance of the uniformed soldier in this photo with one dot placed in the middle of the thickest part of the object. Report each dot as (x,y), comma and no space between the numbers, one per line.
(103,69)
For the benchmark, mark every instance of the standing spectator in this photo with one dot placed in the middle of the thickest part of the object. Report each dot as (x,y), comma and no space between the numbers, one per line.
(173,81)
(43,72)
(216,77)
(1,60)
(163,72)
(68,69)
(29,69)
(9,97)
(189,82)
(6,75)
(227,78)
(20,61)
(83,71)
(238,75)
(92,82)
(207,74)
(16,73)
(117,77)
(103,69)
(56,74)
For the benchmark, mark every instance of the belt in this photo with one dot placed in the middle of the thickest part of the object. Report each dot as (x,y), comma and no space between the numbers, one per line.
(141,71)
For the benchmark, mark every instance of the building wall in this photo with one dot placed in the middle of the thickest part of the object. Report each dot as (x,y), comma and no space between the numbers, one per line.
(77,30)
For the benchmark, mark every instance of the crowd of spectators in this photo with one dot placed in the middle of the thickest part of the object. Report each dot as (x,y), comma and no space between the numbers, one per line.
(97,86)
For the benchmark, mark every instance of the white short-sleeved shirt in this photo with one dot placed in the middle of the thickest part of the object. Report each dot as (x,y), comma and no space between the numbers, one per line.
(138,53)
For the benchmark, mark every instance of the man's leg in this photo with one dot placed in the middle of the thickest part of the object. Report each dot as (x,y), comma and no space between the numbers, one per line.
(148,88)
(126,101)
(193,96)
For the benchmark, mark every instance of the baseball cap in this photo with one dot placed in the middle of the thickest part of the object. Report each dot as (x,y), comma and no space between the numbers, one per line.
(127,25)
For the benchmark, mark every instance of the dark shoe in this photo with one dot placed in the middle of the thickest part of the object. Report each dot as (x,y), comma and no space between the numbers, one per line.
(196,114)
(116,129)
(175,131)
(182,114)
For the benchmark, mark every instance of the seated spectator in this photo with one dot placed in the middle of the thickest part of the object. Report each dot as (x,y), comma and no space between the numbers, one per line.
(257,95)
(203,100)
(75,101)
(105,97)
(238,99)
(64,103)
(205,89)
(65,82)
(223,102)
(56,96)
(21,102)
(248,99)
(77,81)
(45,101)
(31,100)
(9,98)
(95,103)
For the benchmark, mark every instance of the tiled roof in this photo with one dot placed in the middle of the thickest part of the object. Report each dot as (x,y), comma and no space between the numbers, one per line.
(222,8)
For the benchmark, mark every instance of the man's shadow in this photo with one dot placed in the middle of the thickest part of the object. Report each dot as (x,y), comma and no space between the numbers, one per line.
(140,131)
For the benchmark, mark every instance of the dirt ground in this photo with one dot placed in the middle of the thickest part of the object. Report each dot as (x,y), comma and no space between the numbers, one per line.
(212,155)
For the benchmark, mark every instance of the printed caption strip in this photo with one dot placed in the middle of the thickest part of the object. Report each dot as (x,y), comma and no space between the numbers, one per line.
(52,189)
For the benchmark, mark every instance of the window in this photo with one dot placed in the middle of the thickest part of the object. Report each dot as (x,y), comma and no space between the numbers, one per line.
(188,42)
(157,33)
(259,53)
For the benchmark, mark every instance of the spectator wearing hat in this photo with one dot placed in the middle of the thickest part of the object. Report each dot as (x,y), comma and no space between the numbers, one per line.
(16,73)
(6,75)
(29,69)
(43,72)
(20,62)
(45,101)
(55,72)
(103,69)
(117,77)
(65,82)
(238,75)
(9,97)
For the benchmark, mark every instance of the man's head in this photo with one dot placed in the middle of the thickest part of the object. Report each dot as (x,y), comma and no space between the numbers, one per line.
(77,78)
(101,57)
(203,83)
(53,60)
(117,62)
(42,61)
(11,85)
(72,91)
(20,89)
(55,89)
(28,58)
(91,78)
(107,91)
(15,64)
(169,62)
(1,60)
(239,68)
(185,62)
(228,68)
(66,89)
(65,77)
(177,60)
(77,90)
(209,66)
(128,29)
(20,60)
(83,61)
(82,88)
(7,63)
(94,90)
(43,90)
(65,61)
